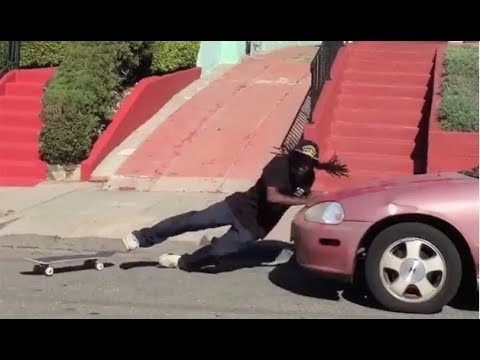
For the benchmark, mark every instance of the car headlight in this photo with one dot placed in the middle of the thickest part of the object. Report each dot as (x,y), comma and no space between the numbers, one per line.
(330,213)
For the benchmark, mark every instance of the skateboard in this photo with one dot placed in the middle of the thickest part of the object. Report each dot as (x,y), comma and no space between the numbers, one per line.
(90,260)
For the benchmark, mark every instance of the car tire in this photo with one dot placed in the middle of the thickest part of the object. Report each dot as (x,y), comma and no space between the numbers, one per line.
(409,292)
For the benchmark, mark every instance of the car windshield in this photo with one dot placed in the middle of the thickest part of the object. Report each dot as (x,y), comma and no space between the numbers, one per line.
(472,172)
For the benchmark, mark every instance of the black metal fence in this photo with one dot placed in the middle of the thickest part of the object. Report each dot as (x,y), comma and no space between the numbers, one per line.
(320,69)
(9,56)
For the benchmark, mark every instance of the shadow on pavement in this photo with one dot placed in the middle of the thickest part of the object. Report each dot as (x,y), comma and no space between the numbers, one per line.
(467,297)
(262,253)
(136,264)
(265,253)
(291,277)
(287,275)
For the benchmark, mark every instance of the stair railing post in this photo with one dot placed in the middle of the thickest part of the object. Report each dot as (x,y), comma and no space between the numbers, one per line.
(14,55)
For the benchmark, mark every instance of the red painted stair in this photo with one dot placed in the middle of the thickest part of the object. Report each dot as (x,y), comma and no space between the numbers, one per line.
(20,125)
(373,116)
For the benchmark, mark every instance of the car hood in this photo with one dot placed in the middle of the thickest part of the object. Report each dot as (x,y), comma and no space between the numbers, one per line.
(391,184)
(371,201)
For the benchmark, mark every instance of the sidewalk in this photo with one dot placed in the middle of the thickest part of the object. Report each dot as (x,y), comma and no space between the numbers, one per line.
(223,134)
(79,210)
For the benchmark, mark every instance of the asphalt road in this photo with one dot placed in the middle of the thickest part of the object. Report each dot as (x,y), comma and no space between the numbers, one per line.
(133,287)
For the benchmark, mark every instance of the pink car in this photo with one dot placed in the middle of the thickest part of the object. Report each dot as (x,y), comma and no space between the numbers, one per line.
(413,239)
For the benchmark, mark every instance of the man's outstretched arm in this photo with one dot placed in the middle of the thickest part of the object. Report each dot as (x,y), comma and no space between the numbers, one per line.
(275,197)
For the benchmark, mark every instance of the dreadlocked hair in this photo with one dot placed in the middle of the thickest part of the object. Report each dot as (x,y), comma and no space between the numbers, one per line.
(333,166)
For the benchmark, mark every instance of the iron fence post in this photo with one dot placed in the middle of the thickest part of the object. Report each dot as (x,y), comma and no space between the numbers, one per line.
(14,54)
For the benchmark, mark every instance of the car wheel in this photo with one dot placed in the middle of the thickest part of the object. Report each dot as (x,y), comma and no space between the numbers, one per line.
(413,268)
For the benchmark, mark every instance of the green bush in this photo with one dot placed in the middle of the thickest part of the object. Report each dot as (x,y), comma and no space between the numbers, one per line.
(42,53)
(79,101)
(459,106)
(3,55)
(169,56)
(133,60)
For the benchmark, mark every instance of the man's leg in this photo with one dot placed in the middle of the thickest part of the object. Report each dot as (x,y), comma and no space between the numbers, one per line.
(216,215)
(235,240)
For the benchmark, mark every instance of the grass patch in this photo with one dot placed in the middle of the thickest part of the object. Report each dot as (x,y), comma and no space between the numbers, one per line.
(459,91)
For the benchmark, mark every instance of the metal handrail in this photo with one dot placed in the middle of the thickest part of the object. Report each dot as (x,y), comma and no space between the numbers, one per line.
(320,69)
(9,56)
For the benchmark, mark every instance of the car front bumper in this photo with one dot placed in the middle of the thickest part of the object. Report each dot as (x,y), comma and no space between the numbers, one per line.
(330,250)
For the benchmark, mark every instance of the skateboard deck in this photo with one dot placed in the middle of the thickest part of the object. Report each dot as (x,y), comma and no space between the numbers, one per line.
(44,263)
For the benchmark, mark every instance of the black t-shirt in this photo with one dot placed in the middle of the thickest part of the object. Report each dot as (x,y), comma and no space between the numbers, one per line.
(253,210)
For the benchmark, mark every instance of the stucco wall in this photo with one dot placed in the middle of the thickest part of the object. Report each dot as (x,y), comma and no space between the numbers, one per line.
(213,53)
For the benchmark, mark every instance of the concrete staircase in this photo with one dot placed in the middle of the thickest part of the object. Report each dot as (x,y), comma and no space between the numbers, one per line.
(20,105)
(377,116)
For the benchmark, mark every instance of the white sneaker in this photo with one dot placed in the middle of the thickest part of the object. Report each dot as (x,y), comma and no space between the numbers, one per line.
(169,261)
(131,242)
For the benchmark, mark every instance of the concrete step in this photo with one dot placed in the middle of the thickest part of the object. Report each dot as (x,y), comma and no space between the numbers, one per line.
(387,78)
(391,55)
(20,118)
(22,169)
(24,89)
(362,89)
(401,46)
(415,67)
(22,151)
(375,116)
(380,102)
(377,162)
(377,146)
(377,130)
(21,103)
(18,133)
(20,181)
(34,75)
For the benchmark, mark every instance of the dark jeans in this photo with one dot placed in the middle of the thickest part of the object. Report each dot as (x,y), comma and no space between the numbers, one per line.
(216,215)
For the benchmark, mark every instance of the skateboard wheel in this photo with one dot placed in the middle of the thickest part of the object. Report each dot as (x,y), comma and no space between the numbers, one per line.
(49,271)
(99,266)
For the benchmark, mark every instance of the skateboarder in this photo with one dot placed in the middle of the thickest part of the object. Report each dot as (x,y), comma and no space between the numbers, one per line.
(285,181)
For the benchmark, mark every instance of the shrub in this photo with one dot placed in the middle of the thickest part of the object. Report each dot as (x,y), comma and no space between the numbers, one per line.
(3,55)
(133,60)
(169,56)
(78,101)
(459,106)
(42,53)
